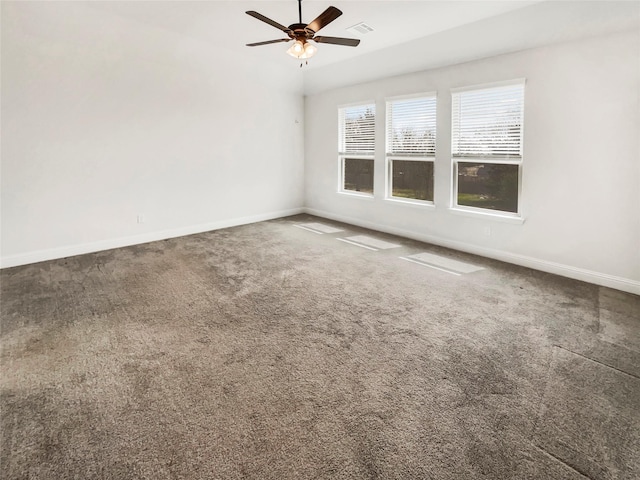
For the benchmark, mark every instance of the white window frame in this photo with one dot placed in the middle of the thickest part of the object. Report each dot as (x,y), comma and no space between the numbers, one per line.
(390,156)
(487,159)
(344,154)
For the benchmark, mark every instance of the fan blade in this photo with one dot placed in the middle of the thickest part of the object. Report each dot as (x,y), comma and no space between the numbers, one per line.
(324,19)
(347,42)
(268,20)
(268,42)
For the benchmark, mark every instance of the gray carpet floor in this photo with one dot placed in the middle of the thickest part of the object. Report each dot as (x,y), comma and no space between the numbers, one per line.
(269,351)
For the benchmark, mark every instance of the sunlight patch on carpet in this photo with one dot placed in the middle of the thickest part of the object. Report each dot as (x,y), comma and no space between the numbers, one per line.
(356,244)
(442,263)
(317,227)
(371,242)
(430,266)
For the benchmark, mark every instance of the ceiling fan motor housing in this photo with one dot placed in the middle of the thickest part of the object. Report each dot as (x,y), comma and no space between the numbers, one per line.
(300,31)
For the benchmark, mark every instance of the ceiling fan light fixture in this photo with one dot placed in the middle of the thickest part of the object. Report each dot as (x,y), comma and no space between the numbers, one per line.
(297,49)
(301,50)
(309,50)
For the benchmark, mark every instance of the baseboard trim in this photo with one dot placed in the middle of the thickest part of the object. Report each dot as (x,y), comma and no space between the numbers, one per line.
(81,249)
(597,278)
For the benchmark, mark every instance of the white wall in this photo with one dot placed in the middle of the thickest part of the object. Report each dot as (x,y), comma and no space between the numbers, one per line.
(105,118)
(581,171)
(527,26)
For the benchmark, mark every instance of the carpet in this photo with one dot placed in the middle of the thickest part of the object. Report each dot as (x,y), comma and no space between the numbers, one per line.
(271,352)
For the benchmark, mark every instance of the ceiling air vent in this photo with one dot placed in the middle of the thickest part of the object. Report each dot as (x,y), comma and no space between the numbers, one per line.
(361,28)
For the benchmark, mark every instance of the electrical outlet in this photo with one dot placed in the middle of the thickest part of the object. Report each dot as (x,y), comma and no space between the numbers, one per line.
(140,218)
(487,231)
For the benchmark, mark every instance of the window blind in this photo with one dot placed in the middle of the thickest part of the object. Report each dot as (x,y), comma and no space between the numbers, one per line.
(357,125)
(488,122)
(411,127)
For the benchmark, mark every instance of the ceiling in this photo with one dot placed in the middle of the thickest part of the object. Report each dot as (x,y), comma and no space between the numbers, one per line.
(225,24)
(397,26)
(393,22)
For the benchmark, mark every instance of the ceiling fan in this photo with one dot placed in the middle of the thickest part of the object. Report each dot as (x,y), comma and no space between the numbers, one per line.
(301,33)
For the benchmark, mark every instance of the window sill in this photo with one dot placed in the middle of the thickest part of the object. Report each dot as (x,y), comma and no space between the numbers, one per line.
(411,203)
(488,216)
(362,196)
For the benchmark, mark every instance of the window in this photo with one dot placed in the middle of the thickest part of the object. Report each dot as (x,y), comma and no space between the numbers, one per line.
(357,148)
(487,147)
(411,147)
